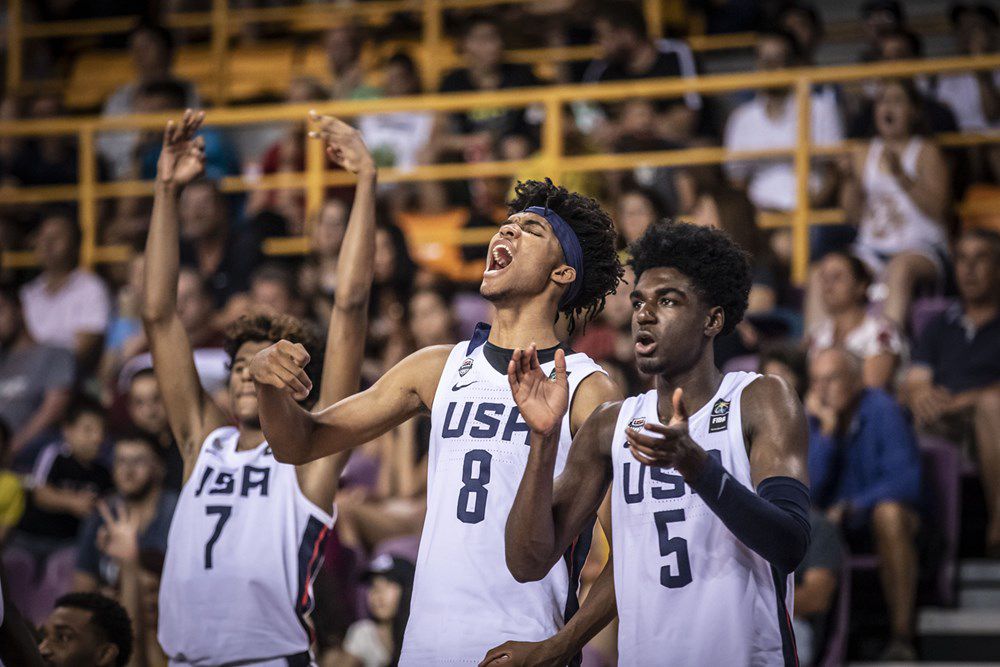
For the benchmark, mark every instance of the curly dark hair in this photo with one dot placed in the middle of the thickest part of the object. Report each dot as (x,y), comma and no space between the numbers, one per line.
(109,617)
(261,327)
(602,272)
(717,265)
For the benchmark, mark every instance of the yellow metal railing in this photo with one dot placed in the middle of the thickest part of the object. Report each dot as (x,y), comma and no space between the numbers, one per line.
(551,159)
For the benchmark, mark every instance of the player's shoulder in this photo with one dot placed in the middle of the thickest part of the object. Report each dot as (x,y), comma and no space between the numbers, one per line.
(770,393)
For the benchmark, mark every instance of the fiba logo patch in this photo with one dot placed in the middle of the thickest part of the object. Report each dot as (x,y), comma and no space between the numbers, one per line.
(552,374)
(465,367)
(720,417)
(637,423)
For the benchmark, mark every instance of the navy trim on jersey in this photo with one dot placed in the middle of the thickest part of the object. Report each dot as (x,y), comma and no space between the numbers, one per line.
(310,559)
(789,651)
(575,557)
(479,336)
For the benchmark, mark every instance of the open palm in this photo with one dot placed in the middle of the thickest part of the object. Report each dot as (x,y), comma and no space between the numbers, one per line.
(183,156)
(343,143)
(542,401)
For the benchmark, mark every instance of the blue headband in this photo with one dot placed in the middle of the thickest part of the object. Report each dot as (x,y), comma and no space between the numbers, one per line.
(570,244)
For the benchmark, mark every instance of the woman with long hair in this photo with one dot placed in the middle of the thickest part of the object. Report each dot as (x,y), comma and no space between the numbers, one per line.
(376,641)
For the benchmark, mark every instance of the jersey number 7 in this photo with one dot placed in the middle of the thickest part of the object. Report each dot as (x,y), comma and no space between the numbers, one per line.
(223,512)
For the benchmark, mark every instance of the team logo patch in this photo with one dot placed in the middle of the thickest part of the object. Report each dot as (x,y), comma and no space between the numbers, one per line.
(637,423)
(720,417)
(465,367)
(552,374)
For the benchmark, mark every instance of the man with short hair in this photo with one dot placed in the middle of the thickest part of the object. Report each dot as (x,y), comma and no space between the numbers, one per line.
(86,630)
(864,466)
(66,306)
(137,470)
(953,386)
(36,380)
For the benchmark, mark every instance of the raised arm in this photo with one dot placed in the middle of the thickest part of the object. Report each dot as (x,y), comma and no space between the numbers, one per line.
(547,516)
(190,412)
(345,341)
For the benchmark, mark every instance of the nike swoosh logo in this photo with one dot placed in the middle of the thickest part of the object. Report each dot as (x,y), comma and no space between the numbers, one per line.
(457,386)
(725,477)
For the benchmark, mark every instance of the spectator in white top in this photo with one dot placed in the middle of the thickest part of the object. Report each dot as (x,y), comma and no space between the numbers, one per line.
(66,306)
(396,139)
(897,190)
(974,97)
(36,381)
(843,287)
(152,49)
(376,641)
(769,121)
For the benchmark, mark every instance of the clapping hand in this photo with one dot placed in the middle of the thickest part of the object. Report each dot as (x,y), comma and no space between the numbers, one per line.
(542,401)
(672,446)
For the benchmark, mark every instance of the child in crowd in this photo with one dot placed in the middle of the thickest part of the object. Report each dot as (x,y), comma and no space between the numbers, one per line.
(376,641)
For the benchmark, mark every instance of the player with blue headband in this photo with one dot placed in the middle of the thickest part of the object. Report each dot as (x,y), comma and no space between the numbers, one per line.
(553,256)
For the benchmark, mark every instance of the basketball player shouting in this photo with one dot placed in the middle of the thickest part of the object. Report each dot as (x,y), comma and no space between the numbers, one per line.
(554,255)
(702,564)
(246,536)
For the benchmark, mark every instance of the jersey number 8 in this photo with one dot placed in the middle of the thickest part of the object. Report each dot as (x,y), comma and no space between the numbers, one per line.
(474,484)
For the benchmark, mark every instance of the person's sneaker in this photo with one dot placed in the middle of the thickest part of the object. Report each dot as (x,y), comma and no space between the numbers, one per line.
(899,650)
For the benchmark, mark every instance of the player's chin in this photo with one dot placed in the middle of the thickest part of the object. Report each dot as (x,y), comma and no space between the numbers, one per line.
(649,365)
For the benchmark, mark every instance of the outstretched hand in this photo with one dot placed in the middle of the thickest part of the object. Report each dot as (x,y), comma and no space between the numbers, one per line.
(343,143)
(672,446)
(542,401)
(183,156)
(119,536)
(283,366)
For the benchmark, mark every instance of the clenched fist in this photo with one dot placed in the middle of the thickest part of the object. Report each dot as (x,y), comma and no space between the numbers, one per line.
(283,365)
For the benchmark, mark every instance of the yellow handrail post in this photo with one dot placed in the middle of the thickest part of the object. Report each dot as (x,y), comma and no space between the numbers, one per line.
(87,168)
(315,167)
(433,24)
(15,24)
(552,139)
(653,9)
(800,219)
(220,51)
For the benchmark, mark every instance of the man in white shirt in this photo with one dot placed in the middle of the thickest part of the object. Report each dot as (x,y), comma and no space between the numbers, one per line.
(769,121)
(65,306)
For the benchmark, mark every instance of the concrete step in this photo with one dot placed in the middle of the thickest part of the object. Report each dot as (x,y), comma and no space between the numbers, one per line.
(979,571)
(959,635)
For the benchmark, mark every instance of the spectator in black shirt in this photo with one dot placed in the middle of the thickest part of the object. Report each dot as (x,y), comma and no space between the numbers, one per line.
(473,133)
(953,387)
(68,479)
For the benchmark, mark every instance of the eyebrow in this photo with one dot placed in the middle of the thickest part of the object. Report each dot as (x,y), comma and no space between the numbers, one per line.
(635,294)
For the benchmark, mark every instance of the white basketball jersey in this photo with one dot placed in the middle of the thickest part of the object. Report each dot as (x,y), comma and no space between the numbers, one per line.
(689,592)
(465,600)
(243,549)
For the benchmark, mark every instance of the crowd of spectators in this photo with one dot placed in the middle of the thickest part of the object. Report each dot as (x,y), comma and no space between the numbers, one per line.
(895,337)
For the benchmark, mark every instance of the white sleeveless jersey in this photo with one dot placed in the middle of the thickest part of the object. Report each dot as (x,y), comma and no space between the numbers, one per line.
(689,592)
(465,600)
(243,549)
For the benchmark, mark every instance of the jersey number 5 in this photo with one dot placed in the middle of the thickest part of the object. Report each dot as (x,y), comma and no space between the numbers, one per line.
(474,486)
(673,545)
(223,512)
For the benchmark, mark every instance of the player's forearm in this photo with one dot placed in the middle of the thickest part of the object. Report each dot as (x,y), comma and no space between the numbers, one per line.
(162,255)
(531,547)
(131,600)
(288,428)
(595,613)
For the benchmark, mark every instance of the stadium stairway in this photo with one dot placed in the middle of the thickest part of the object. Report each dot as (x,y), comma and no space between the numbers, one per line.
(971,631)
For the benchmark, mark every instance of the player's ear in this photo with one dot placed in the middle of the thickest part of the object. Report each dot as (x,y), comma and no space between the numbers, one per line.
(107,654)
(715,321)
(564,274)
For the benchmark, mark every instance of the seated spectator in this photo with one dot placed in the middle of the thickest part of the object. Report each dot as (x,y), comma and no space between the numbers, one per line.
(148,415)
(638,208)
(879,17)
(864,472)
(430,316)
(36,380)
(272,289)
(221,158)
(628,54)
(897,190)
(318,273)
(953,387)
(223,256)
(86,629)
(65,306)
(139,500)
(973,96)
(803,22)
(47,160)
(816,580)
(843,291)
(637,130)
(377,641)
(473,133)
(11,490)
(787,362)
(67,480)
(343,55)
(900,45)
(769,121)
(397,139)
(152,49)
(125,337)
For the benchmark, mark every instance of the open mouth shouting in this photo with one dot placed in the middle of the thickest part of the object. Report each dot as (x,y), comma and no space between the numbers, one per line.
(645,343)
(500,257)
